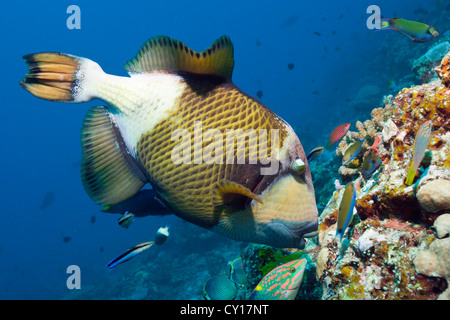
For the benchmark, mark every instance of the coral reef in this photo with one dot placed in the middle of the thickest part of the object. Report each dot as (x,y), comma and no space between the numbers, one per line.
(387,249)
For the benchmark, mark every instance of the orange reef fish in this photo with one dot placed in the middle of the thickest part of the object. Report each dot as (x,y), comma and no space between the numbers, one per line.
(423,137)
(219,287)
(345,214)
(415,31)
(282,283)
(172,96)
(130,253)
(352,151)
(337,134)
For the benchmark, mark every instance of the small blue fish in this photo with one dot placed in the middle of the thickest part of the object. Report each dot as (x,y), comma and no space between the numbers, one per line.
(130,253)
(126,220)
(345,214)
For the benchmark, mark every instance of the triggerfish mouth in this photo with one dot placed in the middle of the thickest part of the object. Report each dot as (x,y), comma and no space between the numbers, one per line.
(212,154)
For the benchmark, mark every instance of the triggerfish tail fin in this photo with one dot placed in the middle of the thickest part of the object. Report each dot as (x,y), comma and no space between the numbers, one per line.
(421,142)
(60,77)
(108,172)
(130,253)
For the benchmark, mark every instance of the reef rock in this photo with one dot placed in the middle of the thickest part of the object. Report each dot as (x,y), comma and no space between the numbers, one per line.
(435,261)
(434,195)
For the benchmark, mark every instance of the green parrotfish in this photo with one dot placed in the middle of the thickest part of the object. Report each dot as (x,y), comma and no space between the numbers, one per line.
(180,104)
(282,283)
(415,31)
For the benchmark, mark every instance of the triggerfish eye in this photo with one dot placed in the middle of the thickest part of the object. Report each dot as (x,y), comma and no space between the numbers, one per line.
(297,167)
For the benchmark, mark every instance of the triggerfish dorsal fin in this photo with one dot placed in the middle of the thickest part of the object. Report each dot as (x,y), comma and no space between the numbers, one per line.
(231,193)
(162,53)
(108,172)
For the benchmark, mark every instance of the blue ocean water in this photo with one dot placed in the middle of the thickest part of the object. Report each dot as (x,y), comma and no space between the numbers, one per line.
(334,56)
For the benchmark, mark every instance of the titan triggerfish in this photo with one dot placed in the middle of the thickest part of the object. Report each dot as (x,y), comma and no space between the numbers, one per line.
(167,124)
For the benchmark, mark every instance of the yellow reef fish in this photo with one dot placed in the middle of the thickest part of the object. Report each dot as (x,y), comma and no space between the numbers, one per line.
(173,124)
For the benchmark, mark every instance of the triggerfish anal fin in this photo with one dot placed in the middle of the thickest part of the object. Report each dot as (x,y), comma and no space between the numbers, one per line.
(421,142)
(282,283)
(345,214)
(143,203)
(130,253)
(231,193)
(166,54)
(415,31)
(102,142)
(337,134)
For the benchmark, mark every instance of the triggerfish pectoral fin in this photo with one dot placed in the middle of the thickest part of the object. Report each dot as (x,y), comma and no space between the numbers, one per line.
(130,253)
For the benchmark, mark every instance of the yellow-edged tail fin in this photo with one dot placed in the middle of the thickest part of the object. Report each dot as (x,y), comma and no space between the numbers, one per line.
(385,24)
(411,175)
(59,77)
